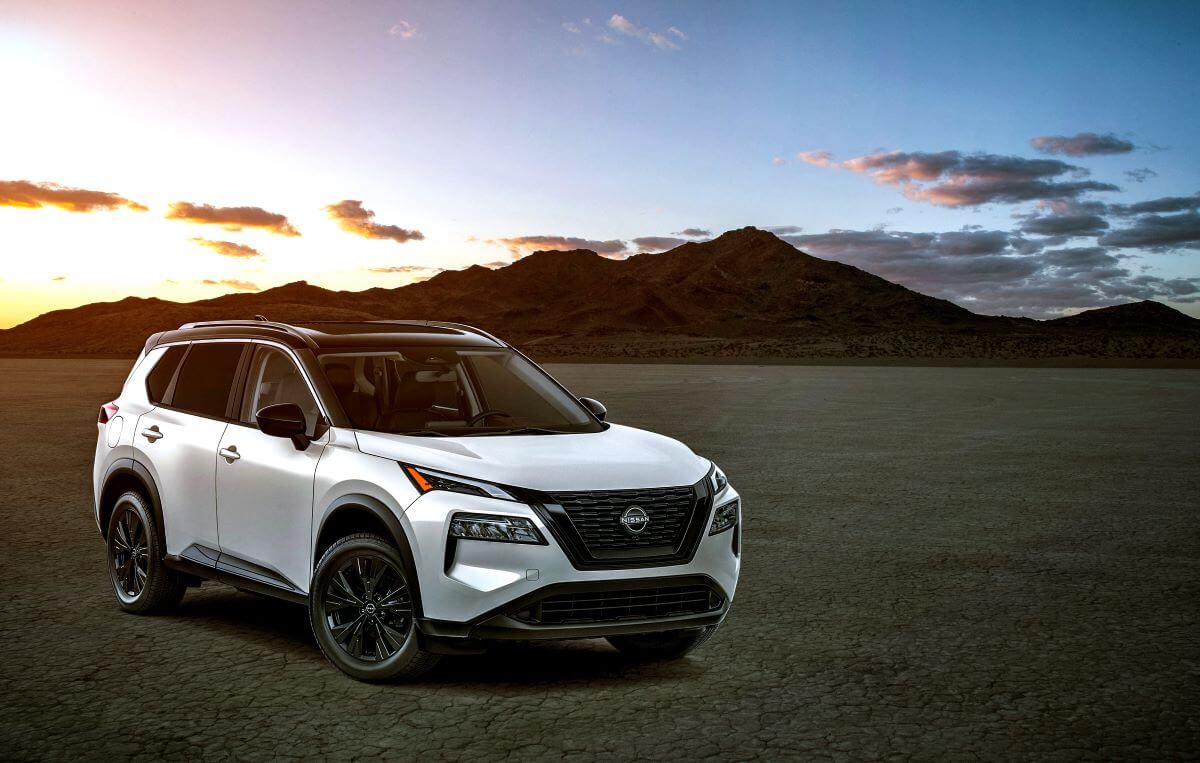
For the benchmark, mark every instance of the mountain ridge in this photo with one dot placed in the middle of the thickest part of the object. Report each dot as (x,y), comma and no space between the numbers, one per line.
(744,293)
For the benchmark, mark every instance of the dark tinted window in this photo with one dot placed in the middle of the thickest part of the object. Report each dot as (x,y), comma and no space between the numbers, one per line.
(160,376)
(206,378)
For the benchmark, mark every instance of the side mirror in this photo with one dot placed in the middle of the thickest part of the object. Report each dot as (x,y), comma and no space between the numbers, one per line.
(284,420)
(595,406)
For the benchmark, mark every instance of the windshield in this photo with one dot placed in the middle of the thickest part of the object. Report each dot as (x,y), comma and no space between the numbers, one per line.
(451,391)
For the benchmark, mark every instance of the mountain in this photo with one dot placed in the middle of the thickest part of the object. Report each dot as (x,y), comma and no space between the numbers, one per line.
(744,294)
(1142,317)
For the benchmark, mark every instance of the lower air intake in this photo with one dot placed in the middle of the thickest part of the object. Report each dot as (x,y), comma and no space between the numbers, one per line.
(628,604)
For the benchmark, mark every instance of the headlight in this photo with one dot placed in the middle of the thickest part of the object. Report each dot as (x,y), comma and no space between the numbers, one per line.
(725,517)
(717,480)
(427,479)
(494,527)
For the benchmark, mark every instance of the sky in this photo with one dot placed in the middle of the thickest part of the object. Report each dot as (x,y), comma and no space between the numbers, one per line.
(1017,158)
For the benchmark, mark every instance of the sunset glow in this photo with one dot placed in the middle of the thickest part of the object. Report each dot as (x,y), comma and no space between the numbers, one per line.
(181,152)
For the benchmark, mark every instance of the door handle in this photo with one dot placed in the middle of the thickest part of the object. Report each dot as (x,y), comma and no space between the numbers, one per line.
(230,454)
(152,434)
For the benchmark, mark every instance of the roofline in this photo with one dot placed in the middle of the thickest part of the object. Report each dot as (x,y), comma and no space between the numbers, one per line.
(295,332)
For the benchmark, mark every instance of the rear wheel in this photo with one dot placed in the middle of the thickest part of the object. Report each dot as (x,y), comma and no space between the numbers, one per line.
(361,607)
(667,645)
(142,583)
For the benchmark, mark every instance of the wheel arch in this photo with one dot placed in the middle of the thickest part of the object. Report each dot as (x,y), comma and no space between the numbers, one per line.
(363,513)
(125,475)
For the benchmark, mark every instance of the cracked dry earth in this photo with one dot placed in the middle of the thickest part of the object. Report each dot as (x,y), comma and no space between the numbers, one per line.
(939,563)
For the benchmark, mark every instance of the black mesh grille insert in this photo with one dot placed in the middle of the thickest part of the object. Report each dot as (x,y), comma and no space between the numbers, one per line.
(596,516)
(627,604)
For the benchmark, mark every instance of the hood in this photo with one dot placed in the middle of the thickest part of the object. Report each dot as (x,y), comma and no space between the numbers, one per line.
(617,458)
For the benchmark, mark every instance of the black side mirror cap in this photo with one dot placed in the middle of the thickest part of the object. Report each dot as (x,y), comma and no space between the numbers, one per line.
(595,406)
(284,420)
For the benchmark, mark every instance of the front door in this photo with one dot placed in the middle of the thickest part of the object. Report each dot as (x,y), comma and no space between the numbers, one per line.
(264,484)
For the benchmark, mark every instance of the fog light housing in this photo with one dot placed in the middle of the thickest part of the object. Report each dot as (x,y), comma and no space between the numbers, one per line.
(725,517)
(494,527)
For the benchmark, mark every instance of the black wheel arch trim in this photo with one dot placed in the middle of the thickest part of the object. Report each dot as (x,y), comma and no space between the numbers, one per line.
(376,507)
(127,467)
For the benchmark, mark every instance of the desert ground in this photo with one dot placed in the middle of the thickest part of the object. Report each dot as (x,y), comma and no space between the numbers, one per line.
(939,563)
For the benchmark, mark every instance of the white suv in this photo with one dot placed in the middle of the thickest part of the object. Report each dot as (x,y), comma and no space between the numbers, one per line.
(422,487)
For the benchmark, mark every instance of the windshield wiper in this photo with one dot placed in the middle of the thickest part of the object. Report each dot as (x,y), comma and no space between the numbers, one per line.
(521,430)
(422,433)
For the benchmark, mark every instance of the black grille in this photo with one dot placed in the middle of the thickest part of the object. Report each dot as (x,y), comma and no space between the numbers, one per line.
(596,517)
(627,604)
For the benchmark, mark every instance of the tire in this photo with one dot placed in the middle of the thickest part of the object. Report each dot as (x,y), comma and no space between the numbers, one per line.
(142,583)
(667,645)
(361,608)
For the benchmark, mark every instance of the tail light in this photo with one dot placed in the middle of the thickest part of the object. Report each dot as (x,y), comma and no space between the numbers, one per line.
(107,411)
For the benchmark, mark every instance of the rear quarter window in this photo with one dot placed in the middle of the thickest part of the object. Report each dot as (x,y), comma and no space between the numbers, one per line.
(159,378)
(206,378)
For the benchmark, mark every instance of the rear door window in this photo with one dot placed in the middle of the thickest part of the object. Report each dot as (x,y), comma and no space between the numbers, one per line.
(206,378)
(159,378)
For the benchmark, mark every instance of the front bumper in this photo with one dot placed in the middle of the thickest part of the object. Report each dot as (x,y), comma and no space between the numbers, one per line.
(516,620)
(475,589)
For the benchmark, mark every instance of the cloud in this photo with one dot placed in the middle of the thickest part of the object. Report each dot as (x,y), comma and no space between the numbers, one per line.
(1083,144)
(231,218)
(59,278)
(778,161)
(1068,218)
(784,230)
(619,23)
(231,283)
(407,269)
(353,218)
(1158,233)
(818,158)
(1141,175)
(572,27)
(29,195)
(994,271)
(403,30)
(1163,204)
(658,243)
(519,246)
(496,264)
(693,232)
(228,248)
(675,32)
(955,179)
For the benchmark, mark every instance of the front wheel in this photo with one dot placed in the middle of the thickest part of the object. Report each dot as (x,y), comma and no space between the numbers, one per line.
(361,607)
(142,583)
(667,645)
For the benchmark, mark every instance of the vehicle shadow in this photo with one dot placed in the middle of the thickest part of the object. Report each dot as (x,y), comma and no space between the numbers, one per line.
(273,624)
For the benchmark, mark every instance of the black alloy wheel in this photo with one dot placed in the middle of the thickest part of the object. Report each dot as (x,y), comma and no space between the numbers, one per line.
(368,608)
(130,555)
(363,611)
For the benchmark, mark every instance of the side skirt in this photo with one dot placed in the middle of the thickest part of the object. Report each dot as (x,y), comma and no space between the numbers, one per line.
(210,564)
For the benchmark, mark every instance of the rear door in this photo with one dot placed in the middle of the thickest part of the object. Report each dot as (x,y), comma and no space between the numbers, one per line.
(178,440)
(264,484)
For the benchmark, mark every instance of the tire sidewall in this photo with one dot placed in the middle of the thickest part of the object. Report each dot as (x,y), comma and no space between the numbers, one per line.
(362,670)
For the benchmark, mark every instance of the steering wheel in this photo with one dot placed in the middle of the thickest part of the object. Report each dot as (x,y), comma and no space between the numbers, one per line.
(481,416)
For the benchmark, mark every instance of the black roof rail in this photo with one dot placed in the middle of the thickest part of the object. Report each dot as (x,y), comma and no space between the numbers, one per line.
(472,329)
(258,323)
